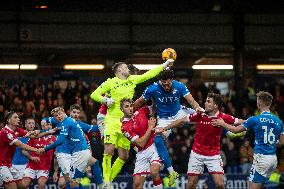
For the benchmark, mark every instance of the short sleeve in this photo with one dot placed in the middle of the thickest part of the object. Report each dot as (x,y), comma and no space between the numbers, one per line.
(128,132)
(22,132)
(10,138)
(193,117)
(230,119)
(147,94)
(183,89)
(249,123)
(146,110)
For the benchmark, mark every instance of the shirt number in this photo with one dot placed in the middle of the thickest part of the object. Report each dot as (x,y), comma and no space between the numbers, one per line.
(268,137)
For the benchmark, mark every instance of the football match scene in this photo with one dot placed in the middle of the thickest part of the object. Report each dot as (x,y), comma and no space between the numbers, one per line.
(132,94)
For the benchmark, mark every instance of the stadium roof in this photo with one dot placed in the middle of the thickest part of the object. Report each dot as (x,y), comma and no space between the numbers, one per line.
(223,6)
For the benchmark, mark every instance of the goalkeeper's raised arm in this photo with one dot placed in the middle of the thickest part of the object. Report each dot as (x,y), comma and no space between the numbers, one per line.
(122,74)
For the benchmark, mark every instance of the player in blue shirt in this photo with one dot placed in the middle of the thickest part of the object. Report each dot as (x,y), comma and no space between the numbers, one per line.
(75,111)
(70,130)
(166,95)
(268,130)
(20,161)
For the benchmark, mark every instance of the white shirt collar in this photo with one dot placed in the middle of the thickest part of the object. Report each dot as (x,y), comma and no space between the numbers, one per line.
(126,119)
(7,127)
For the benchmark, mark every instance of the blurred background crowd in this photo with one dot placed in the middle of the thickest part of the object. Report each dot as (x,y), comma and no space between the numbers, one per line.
(36,98)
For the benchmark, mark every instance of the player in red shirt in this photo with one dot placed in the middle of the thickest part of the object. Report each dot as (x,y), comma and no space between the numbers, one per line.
(39,165)
(139,130)
(8,142)
(206,147)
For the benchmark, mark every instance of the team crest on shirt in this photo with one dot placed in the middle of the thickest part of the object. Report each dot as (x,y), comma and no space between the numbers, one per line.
(10,136)
(174,91)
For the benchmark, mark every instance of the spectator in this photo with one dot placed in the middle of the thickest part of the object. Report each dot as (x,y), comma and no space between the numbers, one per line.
(246,157)
(232,156)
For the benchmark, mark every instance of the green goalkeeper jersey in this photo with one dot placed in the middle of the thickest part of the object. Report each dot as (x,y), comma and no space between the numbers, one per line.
(119,89)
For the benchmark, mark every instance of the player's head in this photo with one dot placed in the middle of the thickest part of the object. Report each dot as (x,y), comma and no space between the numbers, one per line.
(121,69)
(132,69)
(166,78)
(30,124)
(126,106)
(12,119)
(75,111)
(213,102)
(264,99)
(58,113)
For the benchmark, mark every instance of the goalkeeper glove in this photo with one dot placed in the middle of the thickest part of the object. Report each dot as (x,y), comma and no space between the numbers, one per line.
(168,63)
(108,101)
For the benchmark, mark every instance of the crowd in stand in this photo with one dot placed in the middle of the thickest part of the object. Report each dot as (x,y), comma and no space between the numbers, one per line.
(36,99)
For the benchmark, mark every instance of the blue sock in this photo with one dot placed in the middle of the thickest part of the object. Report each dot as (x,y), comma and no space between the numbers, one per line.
(97,173)
(163,151)
(67,185)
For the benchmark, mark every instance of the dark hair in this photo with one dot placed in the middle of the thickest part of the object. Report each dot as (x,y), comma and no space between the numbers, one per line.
(166,74)
(28,119)
(116,65)
(9,115)
(265,97)
(217,98)
(132,69)
(75,106)
(125,100)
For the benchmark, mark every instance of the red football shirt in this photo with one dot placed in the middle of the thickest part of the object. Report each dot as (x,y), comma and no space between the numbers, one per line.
(7,138)
(46,157)
(137,126)
(207,137)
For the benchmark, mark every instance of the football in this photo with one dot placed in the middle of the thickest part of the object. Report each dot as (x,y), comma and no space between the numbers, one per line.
(169,53)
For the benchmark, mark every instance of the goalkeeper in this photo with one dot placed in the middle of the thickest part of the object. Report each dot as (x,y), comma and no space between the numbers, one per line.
(119,87)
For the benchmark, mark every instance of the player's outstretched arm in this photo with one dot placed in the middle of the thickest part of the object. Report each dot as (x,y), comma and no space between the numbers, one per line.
(87,128)
(234,129)
(27,154)
(58,142)
(97,95)
(151,73)
(189,98)
(240,121)
(41,133)
(177,123)
(138,103)
(142,141)
(25,146)
(232,135)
